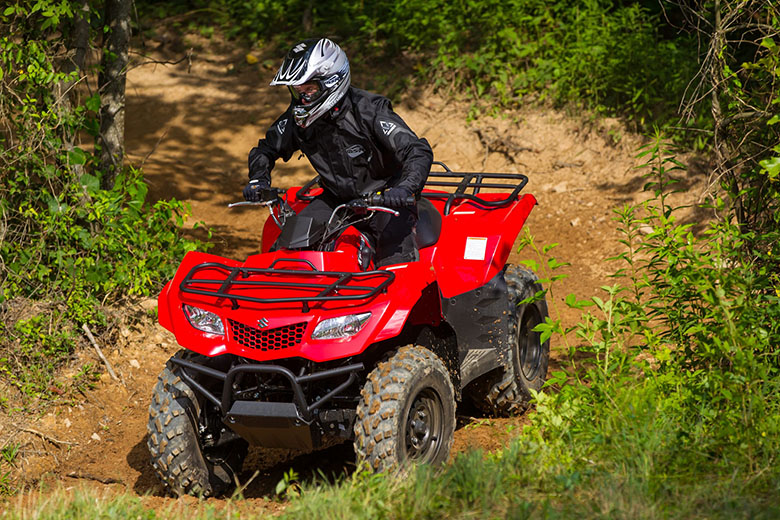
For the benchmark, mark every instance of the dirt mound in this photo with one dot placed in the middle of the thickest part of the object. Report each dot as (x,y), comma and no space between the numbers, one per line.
(191,126)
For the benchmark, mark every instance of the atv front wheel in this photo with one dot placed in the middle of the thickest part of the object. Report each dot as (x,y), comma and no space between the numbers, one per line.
(508,392)
(175,427)
(407,411)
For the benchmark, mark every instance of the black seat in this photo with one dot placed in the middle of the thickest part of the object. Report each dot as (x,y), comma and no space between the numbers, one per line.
(428,223)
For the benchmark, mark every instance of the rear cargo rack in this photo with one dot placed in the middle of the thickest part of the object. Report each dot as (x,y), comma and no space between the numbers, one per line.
(326,290)
(475,181)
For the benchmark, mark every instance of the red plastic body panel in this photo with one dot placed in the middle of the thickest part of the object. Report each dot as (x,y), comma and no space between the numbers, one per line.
(389,311)
(489,234)
(445,269)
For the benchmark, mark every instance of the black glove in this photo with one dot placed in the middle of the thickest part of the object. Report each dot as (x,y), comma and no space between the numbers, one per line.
(253,191)
(399,197)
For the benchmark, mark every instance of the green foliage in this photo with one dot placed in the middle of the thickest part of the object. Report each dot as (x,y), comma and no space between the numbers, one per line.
(545,266)
(608,56)
(64,240)
(86,378)
(683,361)
(84,241)
(740,76)
(288,486)
(8,455)
(605,56)
(38,346)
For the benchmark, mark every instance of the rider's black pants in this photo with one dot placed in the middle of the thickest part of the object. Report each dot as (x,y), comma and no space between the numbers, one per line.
(393,238)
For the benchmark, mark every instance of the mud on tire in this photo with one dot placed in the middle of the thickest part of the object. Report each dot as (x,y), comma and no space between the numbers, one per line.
(508,392)
(407,411)
(174,445)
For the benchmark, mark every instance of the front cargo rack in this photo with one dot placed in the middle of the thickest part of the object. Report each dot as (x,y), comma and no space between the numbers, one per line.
(475,181)
(335,285)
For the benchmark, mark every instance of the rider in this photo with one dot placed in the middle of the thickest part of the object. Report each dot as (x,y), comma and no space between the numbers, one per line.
(354,141)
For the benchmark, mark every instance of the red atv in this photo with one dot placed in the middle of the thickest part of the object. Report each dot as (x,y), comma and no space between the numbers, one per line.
(308,343)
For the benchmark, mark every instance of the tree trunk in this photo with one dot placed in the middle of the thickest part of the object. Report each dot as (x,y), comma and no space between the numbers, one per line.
(112,89)
(80,37)
(721,167)
(78,45)
(308,19)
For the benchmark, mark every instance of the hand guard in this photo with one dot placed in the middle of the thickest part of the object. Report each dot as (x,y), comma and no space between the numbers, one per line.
(398,197)
(254,190)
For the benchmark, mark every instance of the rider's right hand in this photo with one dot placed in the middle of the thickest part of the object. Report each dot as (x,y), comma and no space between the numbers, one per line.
(254,190)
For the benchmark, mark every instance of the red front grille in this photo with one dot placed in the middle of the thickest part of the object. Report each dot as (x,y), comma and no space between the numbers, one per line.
(270,339)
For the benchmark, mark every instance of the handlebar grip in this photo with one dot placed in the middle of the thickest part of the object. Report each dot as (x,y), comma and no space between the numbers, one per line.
(374,199)
(269,194)
(378,199)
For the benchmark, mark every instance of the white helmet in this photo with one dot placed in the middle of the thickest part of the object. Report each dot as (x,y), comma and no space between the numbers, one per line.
(318,61)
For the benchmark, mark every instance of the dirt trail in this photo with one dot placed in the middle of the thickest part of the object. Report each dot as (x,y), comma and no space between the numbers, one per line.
(192,126)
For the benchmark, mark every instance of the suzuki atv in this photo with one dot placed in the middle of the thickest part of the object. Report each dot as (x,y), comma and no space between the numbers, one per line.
(309,342)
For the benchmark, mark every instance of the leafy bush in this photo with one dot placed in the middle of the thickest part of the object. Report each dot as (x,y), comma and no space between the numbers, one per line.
(683,360)
(64,240)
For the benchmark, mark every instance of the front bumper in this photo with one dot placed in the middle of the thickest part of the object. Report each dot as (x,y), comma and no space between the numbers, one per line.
(272,424)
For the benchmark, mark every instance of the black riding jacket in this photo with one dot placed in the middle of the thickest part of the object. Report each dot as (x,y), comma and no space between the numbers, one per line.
(359,147)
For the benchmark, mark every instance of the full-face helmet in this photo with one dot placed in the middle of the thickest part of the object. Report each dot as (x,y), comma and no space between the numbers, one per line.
(317,73)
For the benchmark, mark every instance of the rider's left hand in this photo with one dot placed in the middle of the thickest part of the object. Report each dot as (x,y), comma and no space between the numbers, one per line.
(398,197)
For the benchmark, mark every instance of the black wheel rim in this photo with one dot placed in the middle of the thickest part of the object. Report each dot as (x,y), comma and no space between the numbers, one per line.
(529,343)
(424,427)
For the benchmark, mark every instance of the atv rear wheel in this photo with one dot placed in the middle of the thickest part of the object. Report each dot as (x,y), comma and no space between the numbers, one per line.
(174,441)
(407,411)
(508,392)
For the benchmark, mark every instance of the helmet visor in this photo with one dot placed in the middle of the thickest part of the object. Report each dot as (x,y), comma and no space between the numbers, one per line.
(307,93)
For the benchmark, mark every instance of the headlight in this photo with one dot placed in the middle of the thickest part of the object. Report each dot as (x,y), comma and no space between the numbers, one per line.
(204,320)
(341,327)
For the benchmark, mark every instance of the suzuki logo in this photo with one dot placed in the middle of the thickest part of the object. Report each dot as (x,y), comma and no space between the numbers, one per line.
(262,323)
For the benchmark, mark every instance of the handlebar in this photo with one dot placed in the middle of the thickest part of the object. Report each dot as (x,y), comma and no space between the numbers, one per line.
(370,202)
(361,210)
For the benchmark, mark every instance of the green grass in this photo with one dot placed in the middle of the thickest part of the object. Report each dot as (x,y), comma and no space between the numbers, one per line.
(639,470)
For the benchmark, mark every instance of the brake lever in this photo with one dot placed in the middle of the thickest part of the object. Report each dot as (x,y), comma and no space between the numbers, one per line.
(269,195)
(382,209)
(250,203)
